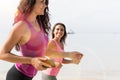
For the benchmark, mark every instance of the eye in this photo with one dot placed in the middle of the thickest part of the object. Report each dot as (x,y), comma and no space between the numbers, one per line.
(57,29)
(62,29)
(42,0)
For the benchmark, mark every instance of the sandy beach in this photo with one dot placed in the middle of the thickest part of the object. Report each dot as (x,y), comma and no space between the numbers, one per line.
(110,75)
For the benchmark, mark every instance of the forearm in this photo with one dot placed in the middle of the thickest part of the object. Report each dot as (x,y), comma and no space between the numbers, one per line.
(15,58)
(56,54)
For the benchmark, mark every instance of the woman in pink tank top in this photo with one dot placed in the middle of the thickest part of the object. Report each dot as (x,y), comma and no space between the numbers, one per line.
(30,36)
(59,35)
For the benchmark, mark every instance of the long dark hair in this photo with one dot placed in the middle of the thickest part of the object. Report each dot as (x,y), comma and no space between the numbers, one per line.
(25,8)
(65,32)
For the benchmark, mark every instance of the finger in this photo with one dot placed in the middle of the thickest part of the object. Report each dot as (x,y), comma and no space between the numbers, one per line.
(43,58)
(45,64)
(41,67)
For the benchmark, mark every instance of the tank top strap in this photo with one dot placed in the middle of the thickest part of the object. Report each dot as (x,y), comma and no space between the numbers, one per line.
(55,42)
(30,26)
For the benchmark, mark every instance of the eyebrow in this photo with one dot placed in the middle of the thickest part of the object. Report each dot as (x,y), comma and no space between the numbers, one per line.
(43,0)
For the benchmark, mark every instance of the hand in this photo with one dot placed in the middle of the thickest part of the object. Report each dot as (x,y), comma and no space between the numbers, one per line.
(76,57)
(39,63)
(76,61)
(58,65)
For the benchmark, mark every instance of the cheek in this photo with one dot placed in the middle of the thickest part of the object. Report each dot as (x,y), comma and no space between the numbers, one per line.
(63,33)
(54,33)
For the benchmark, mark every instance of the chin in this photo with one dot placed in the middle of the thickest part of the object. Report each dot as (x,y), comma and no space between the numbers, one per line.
(59,37)
(41,13)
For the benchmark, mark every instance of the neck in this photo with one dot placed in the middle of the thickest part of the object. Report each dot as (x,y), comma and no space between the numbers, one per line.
(57,39)
(32,18)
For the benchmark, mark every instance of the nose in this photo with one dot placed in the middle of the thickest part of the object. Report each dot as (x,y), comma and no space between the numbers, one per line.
(60,31)
(45,5)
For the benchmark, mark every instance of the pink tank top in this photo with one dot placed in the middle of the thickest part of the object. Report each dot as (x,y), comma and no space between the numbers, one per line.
(54,71)
(35,47)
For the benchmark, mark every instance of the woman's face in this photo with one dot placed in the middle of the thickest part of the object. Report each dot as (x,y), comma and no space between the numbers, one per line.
(58,31)
(40,7)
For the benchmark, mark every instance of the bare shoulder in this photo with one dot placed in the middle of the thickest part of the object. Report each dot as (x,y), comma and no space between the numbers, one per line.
(20,32)
(15,35)
(51,44)
(21,26)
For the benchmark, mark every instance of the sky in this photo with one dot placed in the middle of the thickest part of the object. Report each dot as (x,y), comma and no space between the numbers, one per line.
(88,15)
(83,16)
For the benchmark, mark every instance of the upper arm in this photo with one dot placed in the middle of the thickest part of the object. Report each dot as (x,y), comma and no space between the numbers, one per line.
(50,47)
(14,37)
(52,50)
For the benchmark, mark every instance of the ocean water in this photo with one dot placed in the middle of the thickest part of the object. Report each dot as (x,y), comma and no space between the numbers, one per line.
(100,60)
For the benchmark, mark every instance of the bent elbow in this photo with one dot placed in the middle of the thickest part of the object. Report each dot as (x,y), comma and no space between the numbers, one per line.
(2,55)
